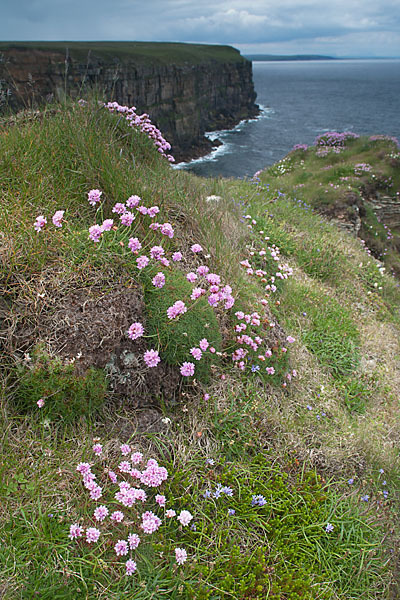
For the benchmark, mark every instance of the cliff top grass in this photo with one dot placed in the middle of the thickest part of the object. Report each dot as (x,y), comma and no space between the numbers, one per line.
(146,53)
(290,477)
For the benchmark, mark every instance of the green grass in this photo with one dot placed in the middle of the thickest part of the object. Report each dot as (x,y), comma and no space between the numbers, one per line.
(137,52)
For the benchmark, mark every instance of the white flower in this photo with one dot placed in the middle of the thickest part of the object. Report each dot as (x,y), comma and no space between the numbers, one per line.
(185,517)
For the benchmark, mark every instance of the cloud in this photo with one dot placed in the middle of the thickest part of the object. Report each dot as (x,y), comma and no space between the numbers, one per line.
(295,22)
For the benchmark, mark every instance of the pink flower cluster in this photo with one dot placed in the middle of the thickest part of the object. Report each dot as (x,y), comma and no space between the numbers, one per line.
(143,124)
(128,493)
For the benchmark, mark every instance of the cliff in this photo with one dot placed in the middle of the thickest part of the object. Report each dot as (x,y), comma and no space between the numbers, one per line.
(186,89)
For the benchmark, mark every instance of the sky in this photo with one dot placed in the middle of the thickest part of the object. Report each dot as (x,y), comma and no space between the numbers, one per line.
(342,28)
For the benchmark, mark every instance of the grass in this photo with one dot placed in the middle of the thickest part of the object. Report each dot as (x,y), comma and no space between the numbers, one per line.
(137,52)
(296,441)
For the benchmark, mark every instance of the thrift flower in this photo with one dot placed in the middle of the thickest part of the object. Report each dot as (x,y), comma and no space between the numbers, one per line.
(166,229)
(180,555)
(142,262)
(127,218)
(170,513)
(157,252)
(100,513)
(187,369)
(159,280)
(92,534)
(134,244)
(135,331)
(125,448)
(58,217)
(130,566)
(161,500)
(117,516)
(191,277)
(40,402)
(150,522)
(151,358)
(133,201)
(121,548)
(97,449)
(185,517)
(107,224)
(196,353)
(196,248)
(40,222)
(133,540)
(177,256)
(119,208)
(75,531)
(136,458)
(178,308)
(95,232)
(94,196)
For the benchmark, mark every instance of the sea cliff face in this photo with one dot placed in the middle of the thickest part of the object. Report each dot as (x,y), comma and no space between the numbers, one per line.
(183,97)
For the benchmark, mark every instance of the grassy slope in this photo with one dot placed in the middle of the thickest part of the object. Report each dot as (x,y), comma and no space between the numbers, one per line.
(139,52)
(296,445)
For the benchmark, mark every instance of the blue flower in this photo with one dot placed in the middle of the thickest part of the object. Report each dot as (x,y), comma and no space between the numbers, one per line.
(329,527)
(207,494)
(258,500)
(231,512)
(365,498)
(227,490)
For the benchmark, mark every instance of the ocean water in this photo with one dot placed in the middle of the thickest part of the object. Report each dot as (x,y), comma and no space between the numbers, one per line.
(300,100)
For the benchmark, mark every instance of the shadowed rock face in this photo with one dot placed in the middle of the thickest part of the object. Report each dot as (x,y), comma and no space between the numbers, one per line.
(183,100)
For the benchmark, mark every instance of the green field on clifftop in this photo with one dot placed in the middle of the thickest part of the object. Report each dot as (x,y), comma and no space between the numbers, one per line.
(282,449)
(164,53)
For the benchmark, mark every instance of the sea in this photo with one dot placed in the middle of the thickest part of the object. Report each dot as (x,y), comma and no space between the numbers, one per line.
(298,101)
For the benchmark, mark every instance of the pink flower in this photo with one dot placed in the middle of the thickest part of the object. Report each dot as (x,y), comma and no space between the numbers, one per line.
(133,540)
(117,516)
(100,513)
(153,211)
(92,534)
(191,277)
(95,232)
(136,458)
(58,217)
(107,224)
(127,218)
(157,252)
(151,358)
(94,197)
(164,261)
(142,262)
(187,369)
(124,466)
(177,256)
(213,279)
(121,548)
(83,468)
(40,402)
(134,244)
(97,448)
(270,370)
(150,522)
(96,492)
(135,331)
(130,566)
(75,531)
(180,555)
(178,308)
(196,248)
(119,208)
(204,344)
(290,339)
(170,513)
(185,517)
(142,210)
(202,270)
(125,448)
(133,201)
(166,229)
(154,226)
(159,280)
(196,353)
(161,500)
(40,222)
(197,292)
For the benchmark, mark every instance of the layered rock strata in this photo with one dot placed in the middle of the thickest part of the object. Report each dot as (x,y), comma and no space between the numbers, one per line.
(183,98)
